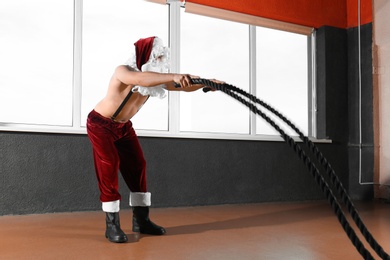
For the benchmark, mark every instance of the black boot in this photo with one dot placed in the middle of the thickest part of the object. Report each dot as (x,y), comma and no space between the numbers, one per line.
(114,232)
(142,223)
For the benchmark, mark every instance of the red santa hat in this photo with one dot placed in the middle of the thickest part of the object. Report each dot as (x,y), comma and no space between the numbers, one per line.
(143,49)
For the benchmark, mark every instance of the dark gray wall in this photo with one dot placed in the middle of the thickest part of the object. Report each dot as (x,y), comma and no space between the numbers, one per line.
(54,172)
(338,100)
(367,133)
(332,82)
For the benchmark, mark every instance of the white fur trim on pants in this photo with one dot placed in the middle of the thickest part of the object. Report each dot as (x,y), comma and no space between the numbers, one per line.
(111,206)
(140,199)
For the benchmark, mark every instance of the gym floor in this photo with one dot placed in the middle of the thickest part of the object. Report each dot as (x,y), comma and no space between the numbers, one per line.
(307,230)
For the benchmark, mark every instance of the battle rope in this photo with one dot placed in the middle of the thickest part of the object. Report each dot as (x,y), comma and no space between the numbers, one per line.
(230,90)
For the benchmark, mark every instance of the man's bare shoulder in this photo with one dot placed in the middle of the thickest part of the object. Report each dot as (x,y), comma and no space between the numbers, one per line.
(124,69)
(125,74)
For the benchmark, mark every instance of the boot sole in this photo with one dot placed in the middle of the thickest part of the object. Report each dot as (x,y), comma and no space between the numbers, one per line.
(117,241)
(138,230)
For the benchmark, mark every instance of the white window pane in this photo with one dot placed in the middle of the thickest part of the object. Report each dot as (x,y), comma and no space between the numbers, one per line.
(282,77)
(110,29)
(36,50)
(214,48)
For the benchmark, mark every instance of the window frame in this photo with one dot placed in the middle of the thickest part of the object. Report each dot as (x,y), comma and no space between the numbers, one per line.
(174,43)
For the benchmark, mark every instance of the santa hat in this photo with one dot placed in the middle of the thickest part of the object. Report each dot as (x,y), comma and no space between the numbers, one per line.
(143,49)
(150,55)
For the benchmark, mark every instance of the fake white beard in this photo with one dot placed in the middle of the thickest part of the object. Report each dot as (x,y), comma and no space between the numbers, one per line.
(157,91)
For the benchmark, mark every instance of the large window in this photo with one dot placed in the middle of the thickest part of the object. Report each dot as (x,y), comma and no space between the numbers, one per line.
(57,58)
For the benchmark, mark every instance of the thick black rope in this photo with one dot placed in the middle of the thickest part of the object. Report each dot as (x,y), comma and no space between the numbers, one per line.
(229,89)
(331,174)
(329,170)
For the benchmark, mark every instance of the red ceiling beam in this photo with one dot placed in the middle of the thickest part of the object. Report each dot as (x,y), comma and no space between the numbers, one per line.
(313,13)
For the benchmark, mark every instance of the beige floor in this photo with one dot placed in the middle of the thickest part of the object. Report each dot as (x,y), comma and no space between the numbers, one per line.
(256,231)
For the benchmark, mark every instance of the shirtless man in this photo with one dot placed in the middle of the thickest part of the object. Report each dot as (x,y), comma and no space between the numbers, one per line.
(114,141)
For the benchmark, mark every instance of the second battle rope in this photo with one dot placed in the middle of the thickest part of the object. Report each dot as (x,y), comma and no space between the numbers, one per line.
(250,101)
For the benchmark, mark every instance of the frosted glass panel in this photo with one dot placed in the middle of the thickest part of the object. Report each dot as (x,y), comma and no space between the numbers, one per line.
(209,51)
(282,77)
(36,62)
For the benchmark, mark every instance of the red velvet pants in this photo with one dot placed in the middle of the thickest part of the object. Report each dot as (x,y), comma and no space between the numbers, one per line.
(116,148)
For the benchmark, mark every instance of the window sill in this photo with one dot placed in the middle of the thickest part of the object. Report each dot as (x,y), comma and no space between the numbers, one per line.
(150,133)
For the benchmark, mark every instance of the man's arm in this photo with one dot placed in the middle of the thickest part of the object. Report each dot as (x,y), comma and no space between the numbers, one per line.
(172,86)
(150,79)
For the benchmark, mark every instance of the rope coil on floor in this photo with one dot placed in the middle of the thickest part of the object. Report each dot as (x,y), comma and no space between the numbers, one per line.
(251,102)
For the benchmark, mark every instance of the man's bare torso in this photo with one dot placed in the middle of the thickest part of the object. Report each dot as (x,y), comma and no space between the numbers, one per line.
(117,91)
